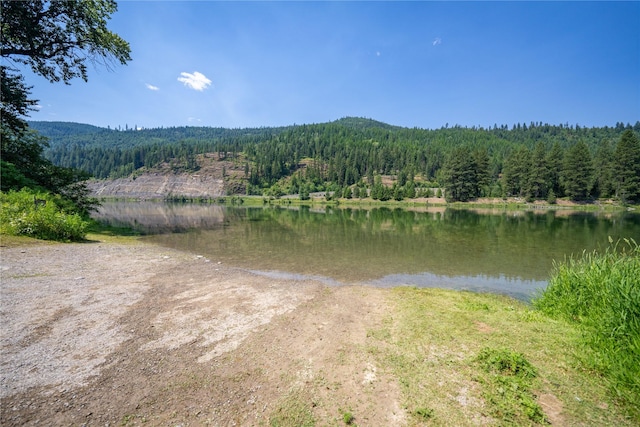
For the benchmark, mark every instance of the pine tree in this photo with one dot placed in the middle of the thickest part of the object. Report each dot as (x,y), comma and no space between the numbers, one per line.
(603,165)
(538,180)
(481,158)
(627,160)
(516,171)
(577,172)
(460,175)
(555,160)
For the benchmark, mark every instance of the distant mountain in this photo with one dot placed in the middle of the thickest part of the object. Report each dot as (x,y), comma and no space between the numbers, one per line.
(67,134)
(360,123)
(58,129)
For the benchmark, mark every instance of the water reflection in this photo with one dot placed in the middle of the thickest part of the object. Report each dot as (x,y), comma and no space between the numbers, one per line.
(505,251)
(150,217)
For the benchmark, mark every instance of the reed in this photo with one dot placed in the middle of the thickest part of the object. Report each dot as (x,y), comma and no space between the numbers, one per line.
(601,293)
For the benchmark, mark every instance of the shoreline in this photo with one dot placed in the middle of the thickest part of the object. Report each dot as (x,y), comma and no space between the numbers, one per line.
(494,204)
(120,331)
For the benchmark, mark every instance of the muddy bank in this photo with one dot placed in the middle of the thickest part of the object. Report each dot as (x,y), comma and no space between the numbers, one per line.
(121,333)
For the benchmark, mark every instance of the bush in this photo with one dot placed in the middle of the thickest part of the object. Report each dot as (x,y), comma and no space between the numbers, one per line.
(40,215)
(601,293)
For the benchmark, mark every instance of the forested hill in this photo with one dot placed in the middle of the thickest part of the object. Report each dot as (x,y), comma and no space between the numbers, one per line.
(68,134)
(502,160)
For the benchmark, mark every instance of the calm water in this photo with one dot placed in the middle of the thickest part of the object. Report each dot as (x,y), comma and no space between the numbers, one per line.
(506,252)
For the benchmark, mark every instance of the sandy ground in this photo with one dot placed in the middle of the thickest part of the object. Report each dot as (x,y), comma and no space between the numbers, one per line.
(124,334)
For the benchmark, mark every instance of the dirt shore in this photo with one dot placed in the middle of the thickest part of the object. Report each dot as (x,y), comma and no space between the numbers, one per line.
(128,333)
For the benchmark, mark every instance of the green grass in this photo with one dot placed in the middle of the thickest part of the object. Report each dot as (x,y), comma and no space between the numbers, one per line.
(509,383)
(293,411)
(462,358)
(600,293)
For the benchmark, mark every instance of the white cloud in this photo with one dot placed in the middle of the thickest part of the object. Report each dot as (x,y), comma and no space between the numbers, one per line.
(151,87)
(196,81)
(437,41)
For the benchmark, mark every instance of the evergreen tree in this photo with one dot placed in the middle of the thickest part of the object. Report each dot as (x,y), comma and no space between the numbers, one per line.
(410,190)
(538,181)
(481,158)
(515,173)
(304,192)
(603,165)
(577,172)
(627,160)
(554,161)
(460,175)
(397,191)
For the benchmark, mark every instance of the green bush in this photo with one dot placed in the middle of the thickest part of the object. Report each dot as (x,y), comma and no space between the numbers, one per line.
(40,215)
(601,293)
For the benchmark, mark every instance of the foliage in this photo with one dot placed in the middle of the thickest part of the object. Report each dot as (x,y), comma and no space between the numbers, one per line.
(509,385)
(627,157)
(15,100)
(577,172)
(600,292)
(55,39)
(460,175)
(40,215)
(348,417)
(516,171)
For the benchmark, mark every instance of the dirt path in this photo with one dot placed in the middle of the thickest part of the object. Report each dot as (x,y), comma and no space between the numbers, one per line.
(121,334)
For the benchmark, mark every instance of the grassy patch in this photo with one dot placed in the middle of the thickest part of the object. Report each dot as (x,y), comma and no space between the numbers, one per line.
(463,358)
(508,386)
(99,231)
(7,241)
(600,293)
(293,411)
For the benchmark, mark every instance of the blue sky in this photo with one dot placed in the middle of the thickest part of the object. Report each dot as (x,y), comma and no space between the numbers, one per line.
(414,64)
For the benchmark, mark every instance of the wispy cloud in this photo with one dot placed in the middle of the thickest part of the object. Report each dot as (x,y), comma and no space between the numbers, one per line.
(151,87)
(437,41)
(196,81)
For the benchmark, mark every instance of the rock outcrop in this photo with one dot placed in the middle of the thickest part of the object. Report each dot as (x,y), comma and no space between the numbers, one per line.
(159,186)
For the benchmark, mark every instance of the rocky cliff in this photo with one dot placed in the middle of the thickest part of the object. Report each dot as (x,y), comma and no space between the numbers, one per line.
(215,177)
(159,186)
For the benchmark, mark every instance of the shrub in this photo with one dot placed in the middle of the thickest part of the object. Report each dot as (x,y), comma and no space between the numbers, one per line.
(601,293)
(40,215)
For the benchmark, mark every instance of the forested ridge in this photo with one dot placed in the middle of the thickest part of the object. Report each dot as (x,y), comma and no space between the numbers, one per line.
(349,156)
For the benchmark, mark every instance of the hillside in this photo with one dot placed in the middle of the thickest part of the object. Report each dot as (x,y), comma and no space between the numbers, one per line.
(534,161)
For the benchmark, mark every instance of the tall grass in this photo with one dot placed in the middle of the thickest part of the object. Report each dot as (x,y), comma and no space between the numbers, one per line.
(601,293)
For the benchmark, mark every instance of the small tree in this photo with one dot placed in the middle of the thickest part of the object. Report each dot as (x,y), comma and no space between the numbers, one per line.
(304,192)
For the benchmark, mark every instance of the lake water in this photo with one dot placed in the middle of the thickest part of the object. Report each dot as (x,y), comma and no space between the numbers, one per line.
(510,252)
